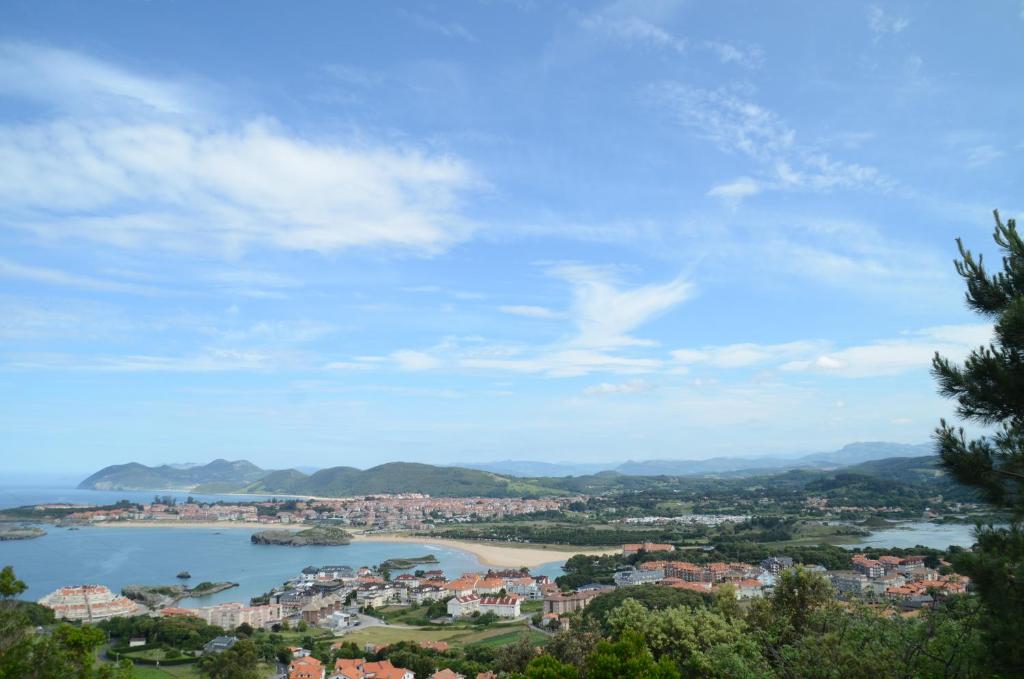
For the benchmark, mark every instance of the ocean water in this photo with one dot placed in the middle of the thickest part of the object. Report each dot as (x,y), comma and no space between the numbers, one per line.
(155,555)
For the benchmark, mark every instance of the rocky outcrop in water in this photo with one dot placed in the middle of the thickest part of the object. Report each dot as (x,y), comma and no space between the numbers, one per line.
(318,535)
(21,533)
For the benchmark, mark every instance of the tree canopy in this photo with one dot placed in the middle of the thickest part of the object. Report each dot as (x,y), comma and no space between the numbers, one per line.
(988,388)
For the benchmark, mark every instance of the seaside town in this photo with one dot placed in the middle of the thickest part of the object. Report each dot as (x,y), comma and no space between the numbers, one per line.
(342,599)
(409,511)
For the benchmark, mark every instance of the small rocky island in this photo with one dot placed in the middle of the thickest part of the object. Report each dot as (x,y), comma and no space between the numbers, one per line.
(407,563)
(161,596)
(20,532)
(317,535)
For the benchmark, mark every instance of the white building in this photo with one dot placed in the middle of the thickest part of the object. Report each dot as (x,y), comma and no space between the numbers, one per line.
(337,620)
(635,576)
(465,606)
(88,603)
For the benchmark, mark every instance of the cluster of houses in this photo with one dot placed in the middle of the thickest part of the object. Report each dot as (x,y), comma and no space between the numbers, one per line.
(749,581)
(231,615)
(685,519)
(88,603)
(378,512)
(188,511)
(498,592)
(304,666)
(903,580)
(327,595)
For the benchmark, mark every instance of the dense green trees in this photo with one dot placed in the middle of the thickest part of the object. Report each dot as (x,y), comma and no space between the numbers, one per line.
(988,389)
(241,661)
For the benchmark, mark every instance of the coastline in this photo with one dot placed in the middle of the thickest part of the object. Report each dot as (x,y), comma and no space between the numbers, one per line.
(498,555)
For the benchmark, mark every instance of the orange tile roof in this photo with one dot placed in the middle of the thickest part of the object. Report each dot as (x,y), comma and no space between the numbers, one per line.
(445,674)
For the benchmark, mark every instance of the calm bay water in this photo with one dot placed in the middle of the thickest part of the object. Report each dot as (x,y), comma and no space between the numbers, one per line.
(19,496)
(934,535)
(139,555)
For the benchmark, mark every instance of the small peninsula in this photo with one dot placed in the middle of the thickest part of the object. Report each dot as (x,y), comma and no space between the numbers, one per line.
(161,596)
(317,535)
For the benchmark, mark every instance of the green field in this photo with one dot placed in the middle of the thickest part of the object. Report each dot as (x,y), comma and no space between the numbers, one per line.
(538,639)
(507,633)
(295,637)
(403,615)
(178,672)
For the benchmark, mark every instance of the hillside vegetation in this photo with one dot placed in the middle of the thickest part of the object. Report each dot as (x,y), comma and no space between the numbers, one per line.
(893,478)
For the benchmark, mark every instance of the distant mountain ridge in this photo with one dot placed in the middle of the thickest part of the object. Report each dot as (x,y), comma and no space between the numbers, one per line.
(241,476)
(852,453)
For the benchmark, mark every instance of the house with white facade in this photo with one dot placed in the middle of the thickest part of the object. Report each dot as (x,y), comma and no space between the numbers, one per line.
(465,606)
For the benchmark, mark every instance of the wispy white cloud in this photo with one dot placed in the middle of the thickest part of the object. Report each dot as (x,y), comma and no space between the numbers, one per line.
(881,22)
(529,311)
(633,30)
(610,388)
(21,321)
(252,283)
(736,125)
(555,362)
(414,361)
(643,25)
(209,360)
(736,190)
(50,276)
(748,56)
(724,117)
(347,365)
(448,29)
(913,351)
(295,331)
(135,178)
(605,313)
(71,81)
(982,155)
(745,355)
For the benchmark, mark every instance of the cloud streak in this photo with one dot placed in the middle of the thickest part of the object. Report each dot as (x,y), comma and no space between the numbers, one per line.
(911,351)
(139,178)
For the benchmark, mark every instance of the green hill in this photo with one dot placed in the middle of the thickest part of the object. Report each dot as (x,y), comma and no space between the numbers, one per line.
(402,477)
(876,480)
(222,476)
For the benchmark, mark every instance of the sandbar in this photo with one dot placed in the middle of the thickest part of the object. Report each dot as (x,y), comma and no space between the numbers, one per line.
(496,554)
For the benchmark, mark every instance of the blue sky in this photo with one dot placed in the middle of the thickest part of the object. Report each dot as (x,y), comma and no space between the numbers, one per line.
(348,233)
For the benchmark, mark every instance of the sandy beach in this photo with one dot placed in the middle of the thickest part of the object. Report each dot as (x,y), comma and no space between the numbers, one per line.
(498,555)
